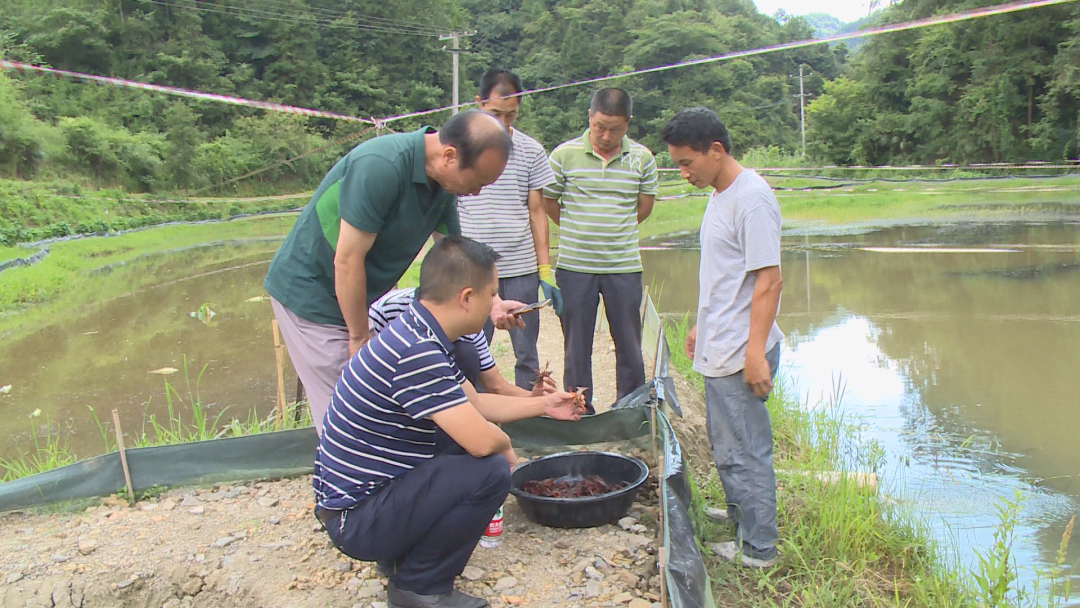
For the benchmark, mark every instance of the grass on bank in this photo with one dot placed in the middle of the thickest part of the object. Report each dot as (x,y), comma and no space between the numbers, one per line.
(186,420)
(1014,198)
(62,280)
(33,211)
(841,545)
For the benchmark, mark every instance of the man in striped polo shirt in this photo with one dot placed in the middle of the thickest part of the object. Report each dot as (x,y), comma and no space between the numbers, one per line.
(471,352)
(605,185)
(509,216)
(381,490)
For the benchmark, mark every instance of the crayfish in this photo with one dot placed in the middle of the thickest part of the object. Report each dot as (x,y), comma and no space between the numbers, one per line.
(543,376)
(579,396)
(593,485)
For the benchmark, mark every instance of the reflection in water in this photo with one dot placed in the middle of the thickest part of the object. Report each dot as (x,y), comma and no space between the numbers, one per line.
(102,355)
(960,360)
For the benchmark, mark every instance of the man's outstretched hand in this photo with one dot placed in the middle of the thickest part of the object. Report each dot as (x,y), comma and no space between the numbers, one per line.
(501,317)
(562,405)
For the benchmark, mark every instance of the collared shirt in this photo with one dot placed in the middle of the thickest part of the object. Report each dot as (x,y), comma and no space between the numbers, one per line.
(381,187)
(598,229)
(499,215)
(390,306)
(379,425)
(740,233)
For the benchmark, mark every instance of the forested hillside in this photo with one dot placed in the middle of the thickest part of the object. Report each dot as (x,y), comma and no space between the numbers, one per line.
(1001,88)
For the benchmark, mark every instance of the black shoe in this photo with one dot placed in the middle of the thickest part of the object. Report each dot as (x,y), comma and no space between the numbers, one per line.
(396,598)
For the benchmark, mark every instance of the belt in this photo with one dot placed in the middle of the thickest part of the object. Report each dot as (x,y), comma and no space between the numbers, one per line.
(326,516)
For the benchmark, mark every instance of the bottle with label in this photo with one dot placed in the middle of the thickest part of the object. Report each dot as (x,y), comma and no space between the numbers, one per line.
(493,534)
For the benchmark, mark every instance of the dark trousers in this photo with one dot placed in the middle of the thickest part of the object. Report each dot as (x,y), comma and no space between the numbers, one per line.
(523,289)
(427,521)
(622,303)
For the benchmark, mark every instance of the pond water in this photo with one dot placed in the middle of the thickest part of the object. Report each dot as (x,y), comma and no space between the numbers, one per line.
(101,352)
(957,346)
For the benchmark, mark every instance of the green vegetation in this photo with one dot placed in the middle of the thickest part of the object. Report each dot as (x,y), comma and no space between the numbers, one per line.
(44,454)
(324,55)
(842,544)
(33,211)
(76,272)
(988,90)
(184,422)
(883,202)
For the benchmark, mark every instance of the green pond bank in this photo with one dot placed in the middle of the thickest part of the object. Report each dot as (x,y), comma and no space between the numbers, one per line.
(843,544)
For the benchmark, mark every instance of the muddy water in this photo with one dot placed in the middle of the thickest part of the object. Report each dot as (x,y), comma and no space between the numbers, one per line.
(958,347)
(101,352)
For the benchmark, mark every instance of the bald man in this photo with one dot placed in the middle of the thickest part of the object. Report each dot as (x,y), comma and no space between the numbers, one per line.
(362,229)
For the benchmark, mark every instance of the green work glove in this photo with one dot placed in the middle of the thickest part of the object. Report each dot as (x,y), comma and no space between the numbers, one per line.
(550,289)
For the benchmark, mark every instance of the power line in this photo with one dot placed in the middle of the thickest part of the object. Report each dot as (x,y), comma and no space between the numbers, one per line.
(339,14)
(899,27)
(236,11)
(179,92)
(1001,9)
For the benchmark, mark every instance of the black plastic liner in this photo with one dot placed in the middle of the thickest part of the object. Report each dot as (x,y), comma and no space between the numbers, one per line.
(263,456)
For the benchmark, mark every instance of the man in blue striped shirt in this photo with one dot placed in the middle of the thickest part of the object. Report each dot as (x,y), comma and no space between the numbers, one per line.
(382,491)
(471,352)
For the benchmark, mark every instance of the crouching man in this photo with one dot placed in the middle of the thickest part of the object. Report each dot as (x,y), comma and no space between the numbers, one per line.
(381,490)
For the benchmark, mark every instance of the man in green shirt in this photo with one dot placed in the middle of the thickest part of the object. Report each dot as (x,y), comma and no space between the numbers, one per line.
(362,229)
(605,184)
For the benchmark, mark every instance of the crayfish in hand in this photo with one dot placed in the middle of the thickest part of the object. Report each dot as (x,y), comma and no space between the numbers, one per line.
(579,397)
(543,377)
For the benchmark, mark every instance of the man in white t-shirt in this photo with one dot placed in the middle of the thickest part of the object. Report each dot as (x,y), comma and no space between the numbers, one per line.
(736,342)
(509,217)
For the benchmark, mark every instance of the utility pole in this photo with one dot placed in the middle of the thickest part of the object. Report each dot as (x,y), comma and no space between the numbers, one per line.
(802,109)
(455,49)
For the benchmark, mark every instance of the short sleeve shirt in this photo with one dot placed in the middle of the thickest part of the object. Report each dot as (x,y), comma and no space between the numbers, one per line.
(394,303)
(378,426)
(598,228)
(740,233)
(381,187)
(499,215)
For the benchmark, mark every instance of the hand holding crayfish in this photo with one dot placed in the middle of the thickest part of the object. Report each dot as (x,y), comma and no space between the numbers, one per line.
(563,405)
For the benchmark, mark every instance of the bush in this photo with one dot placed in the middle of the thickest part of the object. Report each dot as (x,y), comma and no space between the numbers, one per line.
(26,143)
(114,154)
(772,156)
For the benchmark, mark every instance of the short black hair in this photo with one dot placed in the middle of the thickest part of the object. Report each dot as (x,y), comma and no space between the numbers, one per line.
(454,263)
(696,128)
(503,79)
(612,102)
(473,132)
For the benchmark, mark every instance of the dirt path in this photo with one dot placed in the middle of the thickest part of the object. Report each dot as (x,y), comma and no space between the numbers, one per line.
(257,544)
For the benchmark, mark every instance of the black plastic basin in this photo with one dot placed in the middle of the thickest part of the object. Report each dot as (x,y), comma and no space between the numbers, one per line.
(586,512)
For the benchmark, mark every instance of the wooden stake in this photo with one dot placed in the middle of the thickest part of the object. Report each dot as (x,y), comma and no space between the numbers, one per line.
(279,356)
(663,578)
(653,404)
(123,456)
